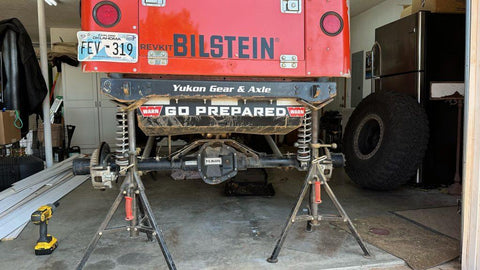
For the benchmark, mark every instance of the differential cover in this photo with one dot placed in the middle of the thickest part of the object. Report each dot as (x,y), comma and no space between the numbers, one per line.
(217,163)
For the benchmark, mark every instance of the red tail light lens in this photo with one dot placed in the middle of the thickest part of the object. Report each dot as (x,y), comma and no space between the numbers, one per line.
(331,23)
(106,14)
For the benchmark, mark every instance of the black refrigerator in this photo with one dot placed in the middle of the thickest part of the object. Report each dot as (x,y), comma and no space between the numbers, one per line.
(408,55)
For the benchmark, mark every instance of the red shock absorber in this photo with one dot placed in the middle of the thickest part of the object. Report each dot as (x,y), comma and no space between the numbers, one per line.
(128,208)
(318,195)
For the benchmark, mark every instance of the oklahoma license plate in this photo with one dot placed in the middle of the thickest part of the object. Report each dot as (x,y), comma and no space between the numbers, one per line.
(107,47)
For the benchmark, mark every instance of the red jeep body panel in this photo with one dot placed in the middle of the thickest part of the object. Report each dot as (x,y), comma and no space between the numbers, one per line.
(229,38)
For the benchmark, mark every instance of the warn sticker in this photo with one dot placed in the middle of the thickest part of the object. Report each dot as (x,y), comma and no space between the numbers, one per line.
(296,111)
(151,111)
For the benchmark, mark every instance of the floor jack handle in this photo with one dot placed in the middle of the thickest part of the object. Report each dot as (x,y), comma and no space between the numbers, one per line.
(128,208)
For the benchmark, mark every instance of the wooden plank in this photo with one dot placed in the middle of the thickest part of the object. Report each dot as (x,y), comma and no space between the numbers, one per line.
(47,172)
(45,186)
(14,198)
(17,197)
(15,233)
(7,192)
(15,219)
(471,166)
(40,177)
(59,167)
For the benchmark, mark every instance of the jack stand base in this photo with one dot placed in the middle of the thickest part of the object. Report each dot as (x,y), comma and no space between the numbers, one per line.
(146,224)
(315,174)
(309,227)
(270,260)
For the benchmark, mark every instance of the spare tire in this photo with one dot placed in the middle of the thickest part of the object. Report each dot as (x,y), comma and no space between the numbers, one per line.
(385,140)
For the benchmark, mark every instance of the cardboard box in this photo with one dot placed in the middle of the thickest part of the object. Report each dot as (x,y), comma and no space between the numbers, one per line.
(58,134)
(407,11)
(439,6)
(8,132)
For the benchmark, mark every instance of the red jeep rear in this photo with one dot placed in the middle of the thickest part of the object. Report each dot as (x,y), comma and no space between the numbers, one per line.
(216,69)
(274,38)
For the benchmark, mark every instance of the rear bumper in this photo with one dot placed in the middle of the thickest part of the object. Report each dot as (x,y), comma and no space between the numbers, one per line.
(133,90)
(180,107)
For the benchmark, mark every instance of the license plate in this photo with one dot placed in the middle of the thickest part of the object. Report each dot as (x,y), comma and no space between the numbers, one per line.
(107,47)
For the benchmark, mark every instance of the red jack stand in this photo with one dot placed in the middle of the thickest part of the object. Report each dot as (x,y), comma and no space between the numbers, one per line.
(316,176)
(136,203)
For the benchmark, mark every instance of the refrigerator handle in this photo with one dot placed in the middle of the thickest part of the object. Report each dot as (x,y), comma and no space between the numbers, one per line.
(376,69)
(376,48)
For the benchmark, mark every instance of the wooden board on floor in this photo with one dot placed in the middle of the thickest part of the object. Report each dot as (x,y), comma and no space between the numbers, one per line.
(15,219)
(419,247)
(445,220)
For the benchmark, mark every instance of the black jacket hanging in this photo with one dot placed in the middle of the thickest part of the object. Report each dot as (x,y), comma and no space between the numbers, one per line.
(24,86)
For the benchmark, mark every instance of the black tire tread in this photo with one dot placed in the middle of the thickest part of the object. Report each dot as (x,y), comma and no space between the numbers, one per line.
(403,146)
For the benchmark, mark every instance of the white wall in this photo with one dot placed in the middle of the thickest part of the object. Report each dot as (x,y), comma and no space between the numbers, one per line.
(363,31)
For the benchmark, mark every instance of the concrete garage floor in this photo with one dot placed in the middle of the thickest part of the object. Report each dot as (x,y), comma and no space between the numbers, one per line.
(206,230)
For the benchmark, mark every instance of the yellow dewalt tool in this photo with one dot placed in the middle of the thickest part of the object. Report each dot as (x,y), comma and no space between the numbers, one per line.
(46,244)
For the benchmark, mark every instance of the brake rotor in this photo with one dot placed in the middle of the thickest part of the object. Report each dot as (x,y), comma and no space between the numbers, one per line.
(101,156)
(104,154)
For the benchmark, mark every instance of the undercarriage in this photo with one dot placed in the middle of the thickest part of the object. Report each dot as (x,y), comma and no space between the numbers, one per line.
(217,111)
(217,156)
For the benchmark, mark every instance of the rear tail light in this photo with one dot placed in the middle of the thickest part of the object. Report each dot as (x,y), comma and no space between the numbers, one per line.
(331,23)
(106,14)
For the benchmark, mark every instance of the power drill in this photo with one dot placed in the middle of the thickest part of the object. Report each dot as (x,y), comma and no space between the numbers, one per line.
(46,244)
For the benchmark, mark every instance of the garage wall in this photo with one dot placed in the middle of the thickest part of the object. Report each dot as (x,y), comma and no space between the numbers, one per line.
(363,31)
(57,35)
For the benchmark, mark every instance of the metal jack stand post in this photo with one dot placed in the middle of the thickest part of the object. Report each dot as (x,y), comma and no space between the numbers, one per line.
(135,201)
(316,176)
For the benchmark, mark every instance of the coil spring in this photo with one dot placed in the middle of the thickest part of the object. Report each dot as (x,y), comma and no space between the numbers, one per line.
(305,138)
(121,152)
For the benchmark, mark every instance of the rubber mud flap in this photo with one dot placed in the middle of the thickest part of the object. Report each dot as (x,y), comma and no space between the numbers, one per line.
(385,140)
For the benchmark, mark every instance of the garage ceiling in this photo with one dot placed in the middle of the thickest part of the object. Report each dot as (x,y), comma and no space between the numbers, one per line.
(66,14)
